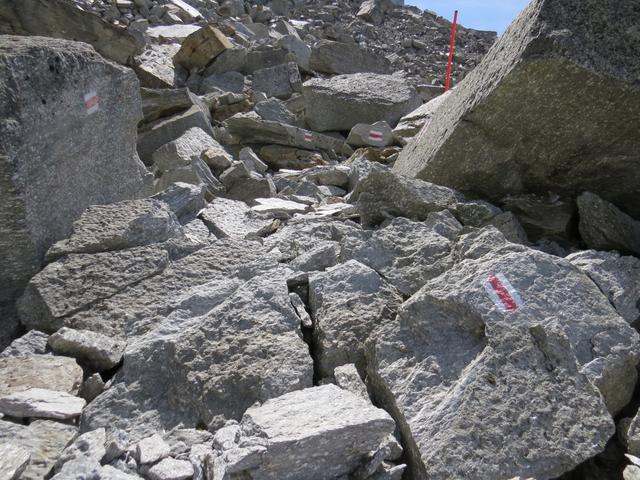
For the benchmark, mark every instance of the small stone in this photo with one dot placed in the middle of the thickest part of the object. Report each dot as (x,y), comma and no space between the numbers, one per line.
(152,449)
(98,351)
(171,469)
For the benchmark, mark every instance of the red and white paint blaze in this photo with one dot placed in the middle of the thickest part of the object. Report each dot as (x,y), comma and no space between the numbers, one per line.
(308,137)
(91,101)
(502,293)
(376,136)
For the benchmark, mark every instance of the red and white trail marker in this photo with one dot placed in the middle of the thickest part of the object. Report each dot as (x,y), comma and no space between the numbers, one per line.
(502,293)
(308,137)
(376,135)
(91,101)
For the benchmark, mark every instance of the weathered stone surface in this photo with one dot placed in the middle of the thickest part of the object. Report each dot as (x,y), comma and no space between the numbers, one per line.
(340,58)
(157,134)
(171,33)
(164,102)
(118,226)
(347,303)
(618,277)
(299,49)
(250,128)
(49,126)
(380,194)
(171,469)
(63,19)
(377,135)
(78,281)
(264,358)
(445,366)
(44,439)
(201,47)
(39,371)
(152,449)
(280,157)
(91,387)
(184,199)
(348,378)
(233,82)
(374,10)
(230,219)
(535,115)
(41,403)
(280,81)
(13,460)
(277,208)
(264,58)
(412,123)
(155,69)
(95,350)
(604,227)
(331,430)
(340,102)
(181,161)
(276,111)
(252,161)
(86,451)
(31,343)
(233,59)
(407,253)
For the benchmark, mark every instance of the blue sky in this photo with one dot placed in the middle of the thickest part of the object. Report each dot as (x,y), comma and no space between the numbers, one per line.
(479,14)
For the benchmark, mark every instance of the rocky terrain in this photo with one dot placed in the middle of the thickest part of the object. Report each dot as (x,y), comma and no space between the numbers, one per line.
(258,241)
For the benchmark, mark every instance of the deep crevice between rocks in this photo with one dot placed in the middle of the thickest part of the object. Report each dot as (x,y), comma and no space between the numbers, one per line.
(301,288)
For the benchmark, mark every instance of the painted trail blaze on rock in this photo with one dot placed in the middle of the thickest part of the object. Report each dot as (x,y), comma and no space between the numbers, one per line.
(376,135)
(91,101)
(502,293)
(308,137)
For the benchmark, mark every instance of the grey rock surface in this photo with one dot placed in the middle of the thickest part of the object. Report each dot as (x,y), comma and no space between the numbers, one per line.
(348,378)
(340,102)
(347,303)
(44,439)
(604,227)
(95,350)
(280,81)
(377,135)
(184,200)
(151,449)
(13,460)
(617,276)
(540,99)
(49,125)
(118,226)
(41,403)
(331,430)
(19,373)
(413,122)
(171,469)
(447,354)
(31,343)
(341,58)
(86,450)
(227,218)
(381,194)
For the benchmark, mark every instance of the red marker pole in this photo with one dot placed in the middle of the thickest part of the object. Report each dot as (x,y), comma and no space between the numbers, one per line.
(452,46)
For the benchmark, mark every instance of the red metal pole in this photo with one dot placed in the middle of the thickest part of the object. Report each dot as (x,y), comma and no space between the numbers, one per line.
(452,46)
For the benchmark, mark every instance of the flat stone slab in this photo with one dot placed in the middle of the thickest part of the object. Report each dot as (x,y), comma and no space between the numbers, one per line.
(41,403)
(39,371)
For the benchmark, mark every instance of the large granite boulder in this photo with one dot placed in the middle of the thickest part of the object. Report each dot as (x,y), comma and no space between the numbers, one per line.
(67,141)
(341,102)
(552,107)
(340,58)
(492,369)
(66,19)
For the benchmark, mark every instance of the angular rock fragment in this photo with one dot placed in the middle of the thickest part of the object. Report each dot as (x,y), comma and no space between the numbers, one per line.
(347,303)
(543,216)
(407,253)
(171,469)
(230,219)
(41,403)
(62,19)
(277,208)
(201,47)
(155,69)
(340,102)
(85,452)
(462,347)
(13,460)
(91,387)
(605,227)
(97,351)
(276,111)
(381,194)
(31,343)
(348,378)
(281,157)
(618,277)
(184,199)
(412,123)
(377,135)
(118,226)
(152,449)
(50,125)
(78,281)
(536,114)
(340,58)
(332,430)
(280,81)
(43,439)
(39,371)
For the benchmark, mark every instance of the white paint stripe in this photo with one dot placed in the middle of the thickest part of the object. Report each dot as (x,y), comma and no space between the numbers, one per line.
(494,296)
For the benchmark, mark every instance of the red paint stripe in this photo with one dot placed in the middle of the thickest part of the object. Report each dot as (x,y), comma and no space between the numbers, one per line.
(375,137)
(504,295)
(452,45)
(92,102)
